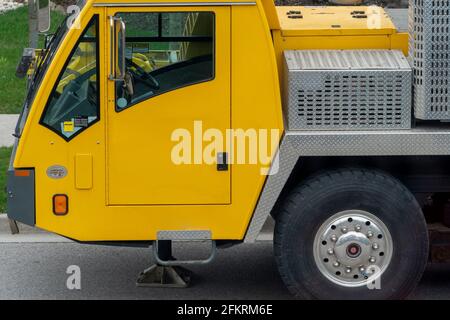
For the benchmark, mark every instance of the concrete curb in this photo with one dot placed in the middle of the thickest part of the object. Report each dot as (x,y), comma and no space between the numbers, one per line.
(7,126)
(9,5)
(33,238)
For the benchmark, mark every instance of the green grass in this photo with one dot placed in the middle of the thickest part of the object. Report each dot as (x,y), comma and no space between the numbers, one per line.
(5,153)
(13,38)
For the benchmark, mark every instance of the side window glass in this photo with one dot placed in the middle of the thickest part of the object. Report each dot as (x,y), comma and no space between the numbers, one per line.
(73,105)
(165,51)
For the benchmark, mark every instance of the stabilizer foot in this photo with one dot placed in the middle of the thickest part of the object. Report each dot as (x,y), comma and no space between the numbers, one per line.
(164,277)
(13,226)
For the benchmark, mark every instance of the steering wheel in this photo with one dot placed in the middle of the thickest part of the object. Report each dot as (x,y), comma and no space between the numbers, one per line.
(72,96)
(144,76)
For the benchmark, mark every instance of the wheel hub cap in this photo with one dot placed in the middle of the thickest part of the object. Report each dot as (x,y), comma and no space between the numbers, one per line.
(351,247)
(353,250)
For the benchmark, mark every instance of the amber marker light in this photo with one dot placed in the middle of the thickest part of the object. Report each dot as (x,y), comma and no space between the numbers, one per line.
(60,204)
(21,173)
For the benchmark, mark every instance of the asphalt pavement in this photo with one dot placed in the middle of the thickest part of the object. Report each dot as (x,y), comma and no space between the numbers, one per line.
(248,271)
(34,264)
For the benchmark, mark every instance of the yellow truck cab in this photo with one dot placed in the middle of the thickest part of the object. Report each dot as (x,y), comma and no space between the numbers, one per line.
(153,121)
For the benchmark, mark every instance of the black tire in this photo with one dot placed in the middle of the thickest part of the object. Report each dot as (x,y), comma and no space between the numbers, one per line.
(313,202)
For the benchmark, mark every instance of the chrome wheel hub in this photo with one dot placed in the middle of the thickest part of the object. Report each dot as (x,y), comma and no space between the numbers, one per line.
(353,247)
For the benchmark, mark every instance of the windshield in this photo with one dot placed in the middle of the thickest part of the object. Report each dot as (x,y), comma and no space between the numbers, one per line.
(46,57)
(51,46)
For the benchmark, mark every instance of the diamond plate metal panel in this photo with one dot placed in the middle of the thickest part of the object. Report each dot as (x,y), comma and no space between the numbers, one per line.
(288,157)
(184,235)
(324,60)
(347,90)
(429,28)
(297,144)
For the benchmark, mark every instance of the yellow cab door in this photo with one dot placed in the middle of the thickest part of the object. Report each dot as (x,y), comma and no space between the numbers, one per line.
(177,88)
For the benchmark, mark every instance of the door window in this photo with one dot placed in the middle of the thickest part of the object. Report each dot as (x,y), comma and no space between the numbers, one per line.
(165,51)
(74,103)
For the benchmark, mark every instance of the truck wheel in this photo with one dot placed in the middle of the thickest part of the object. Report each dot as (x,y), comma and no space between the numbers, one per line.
(351,234)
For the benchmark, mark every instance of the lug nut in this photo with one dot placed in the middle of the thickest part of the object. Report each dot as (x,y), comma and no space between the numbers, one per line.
(348,270)
(330,251)
(344,230)
(333,238)
(372,260)
(362,269)
(369,234)
(336,264)
(375,246)
(358,227)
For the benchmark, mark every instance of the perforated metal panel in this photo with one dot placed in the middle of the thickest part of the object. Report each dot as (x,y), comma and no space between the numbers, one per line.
(347,90)
(429,27)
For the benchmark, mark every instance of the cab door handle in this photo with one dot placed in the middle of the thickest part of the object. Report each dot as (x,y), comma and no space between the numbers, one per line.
(222,161)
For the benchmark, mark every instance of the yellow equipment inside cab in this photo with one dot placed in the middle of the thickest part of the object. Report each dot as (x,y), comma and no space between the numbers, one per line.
(109,160)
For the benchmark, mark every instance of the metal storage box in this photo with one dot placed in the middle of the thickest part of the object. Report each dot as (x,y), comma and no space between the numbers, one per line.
(429,28)
(347,90)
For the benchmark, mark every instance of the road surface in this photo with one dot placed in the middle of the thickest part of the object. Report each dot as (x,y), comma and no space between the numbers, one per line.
(38,271)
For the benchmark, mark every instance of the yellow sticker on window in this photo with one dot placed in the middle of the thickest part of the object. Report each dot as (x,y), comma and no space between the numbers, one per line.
(68,126)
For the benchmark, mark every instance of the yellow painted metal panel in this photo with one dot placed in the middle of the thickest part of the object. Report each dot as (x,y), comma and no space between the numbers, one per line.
(165,3)
(345,20)
(400,41)
(41,148)
(83,171)
(251,94)
(141,169)
(271,14)
(256,100)
(255,103)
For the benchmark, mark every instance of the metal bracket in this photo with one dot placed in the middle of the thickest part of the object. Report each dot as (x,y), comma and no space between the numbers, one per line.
(170,263)
(13,226)
(164,277)
(222,161)
(113,56)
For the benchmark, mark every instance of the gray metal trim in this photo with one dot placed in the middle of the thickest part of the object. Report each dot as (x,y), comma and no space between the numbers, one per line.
(400,18)
(363,60)
(415,142)
(13,154)
(173,263)
(184,235)
(274,185)
(296,144)
(172,4)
